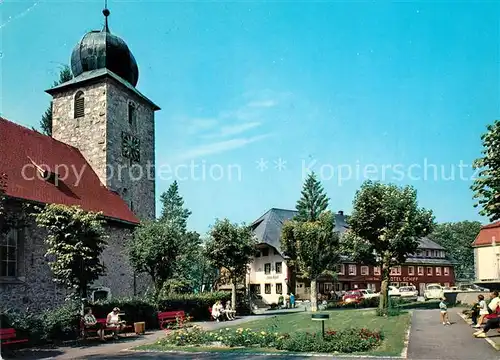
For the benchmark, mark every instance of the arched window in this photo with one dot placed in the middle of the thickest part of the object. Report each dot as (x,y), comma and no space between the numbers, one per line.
(79,108)
(132,116)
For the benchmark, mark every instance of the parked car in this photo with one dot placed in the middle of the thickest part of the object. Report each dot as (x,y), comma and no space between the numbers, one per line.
(433,291)
(352,296)
(472,287)
(394,291)
(369,293)
(408,291)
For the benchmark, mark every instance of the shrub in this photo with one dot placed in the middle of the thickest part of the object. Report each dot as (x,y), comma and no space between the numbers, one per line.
(135,309)
(195,305)
(62,323)
(347,341)
(27,324)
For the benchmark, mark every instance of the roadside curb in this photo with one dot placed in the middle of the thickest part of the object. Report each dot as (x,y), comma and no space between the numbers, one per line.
(336,356)
(489,341)
(404,353)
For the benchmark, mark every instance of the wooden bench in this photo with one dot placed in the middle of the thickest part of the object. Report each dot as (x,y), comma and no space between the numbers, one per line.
(169,317)
(8,337)
(102,326)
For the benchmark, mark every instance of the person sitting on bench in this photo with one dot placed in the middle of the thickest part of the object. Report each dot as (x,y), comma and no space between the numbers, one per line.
(113,321)
(90,322)
(490,324)
(217,310)
(229,311)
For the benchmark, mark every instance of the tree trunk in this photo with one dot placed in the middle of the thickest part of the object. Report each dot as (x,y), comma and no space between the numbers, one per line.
(233,293)
(314,295)
(383,305)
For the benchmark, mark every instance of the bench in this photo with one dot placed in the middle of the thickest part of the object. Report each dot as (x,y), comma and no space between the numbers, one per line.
(102,326)
(8,336)
(169,317)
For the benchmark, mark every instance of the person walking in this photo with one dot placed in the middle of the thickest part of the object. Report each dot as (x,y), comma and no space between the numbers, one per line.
(292,300)
(483,311)
(444,312)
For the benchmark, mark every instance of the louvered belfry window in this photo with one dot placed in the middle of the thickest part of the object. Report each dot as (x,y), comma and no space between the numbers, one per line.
(79,104)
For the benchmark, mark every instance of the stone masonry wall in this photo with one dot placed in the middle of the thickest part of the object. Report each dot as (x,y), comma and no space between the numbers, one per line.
(98,135)
(139,178)
(87,133)
(36,289)
(119,273)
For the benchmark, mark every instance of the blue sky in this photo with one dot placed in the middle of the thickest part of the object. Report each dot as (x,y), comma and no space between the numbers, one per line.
(383,91)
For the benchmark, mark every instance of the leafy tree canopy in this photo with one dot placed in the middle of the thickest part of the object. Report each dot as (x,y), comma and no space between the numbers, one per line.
(75,240)
(385,227)
(457,239)
(313,200)
(486,185)
(230,246)
(155,250)
(313,246)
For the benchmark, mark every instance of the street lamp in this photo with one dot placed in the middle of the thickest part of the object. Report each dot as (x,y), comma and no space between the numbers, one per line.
(322,318)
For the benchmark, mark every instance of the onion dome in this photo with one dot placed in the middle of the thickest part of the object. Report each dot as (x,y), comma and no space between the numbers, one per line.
(103,50)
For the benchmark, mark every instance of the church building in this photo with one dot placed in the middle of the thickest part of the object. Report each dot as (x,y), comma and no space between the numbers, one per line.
(101,157)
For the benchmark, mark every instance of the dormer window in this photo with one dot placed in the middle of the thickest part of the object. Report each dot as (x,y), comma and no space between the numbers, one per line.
(132,116)
(79,106)
(45,174)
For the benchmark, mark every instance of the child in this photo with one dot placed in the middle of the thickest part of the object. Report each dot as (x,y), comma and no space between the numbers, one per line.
(474,313)
(483,311)
(444,312)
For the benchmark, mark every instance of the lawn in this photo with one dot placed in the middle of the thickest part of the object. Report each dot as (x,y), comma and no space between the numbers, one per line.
(394,329)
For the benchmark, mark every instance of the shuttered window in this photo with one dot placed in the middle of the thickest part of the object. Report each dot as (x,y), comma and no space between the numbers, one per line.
(79,105)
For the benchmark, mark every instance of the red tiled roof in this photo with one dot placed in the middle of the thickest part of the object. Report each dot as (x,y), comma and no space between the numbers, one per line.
(485,236)
(21,148)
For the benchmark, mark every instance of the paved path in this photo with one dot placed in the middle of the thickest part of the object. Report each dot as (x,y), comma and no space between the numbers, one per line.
(430,340)
(112,348)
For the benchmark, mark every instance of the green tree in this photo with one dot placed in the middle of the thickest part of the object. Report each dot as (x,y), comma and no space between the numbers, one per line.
(174,213)
(232,247)
(457,239)
(46,121)
(173,207)
(313,200)
(75,241)
(314,247)
(186,264)
(155,249)
(486,185)
(385,227)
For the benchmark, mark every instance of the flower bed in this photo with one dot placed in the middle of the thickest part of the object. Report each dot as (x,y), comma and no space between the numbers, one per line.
(346,341)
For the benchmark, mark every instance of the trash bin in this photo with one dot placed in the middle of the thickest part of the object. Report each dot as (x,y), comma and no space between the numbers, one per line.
(140,328)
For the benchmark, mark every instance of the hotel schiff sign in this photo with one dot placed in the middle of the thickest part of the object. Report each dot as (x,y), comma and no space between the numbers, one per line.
(396,278)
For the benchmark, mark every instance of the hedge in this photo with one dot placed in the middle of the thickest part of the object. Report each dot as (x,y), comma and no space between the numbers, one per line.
(196,305)
(63,323)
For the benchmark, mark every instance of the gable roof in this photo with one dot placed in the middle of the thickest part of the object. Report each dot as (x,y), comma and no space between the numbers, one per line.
(267,228)
(487,233)
(22,150)
(426,243)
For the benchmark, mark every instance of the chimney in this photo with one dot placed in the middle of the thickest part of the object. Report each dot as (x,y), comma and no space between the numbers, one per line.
(341,213)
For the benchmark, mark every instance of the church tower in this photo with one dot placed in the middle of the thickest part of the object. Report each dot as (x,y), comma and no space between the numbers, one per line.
(101,112)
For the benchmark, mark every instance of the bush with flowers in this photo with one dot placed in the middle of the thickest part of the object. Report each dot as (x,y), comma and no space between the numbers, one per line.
(345,341)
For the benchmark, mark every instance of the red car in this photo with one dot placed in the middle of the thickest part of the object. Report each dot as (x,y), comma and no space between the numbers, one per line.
(352,296)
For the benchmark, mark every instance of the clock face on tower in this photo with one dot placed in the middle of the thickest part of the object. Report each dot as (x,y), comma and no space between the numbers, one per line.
(131,147)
